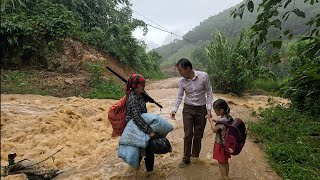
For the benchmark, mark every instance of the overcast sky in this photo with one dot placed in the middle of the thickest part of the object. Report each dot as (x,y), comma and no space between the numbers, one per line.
(177,16)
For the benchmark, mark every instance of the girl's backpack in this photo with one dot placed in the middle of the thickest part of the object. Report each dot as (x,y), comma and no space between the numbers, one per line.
(235,136)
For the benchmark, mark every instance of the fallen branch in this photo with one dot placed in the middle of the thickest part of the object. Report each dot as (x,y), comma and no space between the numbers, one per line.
(45,159)
(18,167)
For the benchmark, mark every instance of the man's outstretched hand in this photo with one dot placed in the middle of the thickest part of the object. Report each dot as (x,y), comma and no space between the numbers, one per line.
(173,115)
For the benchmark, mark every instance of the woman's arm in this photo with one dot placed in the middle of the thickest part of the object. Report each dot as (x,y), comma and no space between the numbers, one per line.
(138,120)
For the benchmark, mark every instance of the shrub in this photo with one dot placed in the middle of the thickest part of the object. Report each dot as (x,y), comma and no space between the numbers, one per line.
(231,65)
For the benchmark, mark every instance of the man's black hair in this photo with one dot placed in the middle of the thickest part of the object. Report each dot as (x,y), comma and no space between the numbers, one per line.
(184,62)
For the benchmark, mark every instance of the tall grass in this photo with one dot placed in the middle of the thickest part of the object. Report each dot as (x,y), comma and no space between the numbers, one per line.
(267,86)
(292,142)
(231,66)
(19,82)
(149,74)
(105,90)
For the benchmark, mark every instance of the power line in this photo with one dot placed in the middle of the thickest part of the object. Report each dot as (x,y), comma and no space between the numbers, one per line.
(150,20)
(173,34)
(164,29)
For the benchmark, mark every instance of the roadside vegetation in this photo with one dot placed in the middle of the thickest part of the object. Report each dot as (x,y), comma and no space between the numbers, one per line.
(32,35)
(291,140)
(290,135)
(32,31)
(20,82)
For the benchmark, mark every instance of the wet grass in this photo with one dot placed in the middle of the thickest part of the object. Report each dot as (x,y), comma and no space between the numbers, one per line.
(105,90)
(20,82)
(265,86)
(292,141)
(31,82)
(96,86)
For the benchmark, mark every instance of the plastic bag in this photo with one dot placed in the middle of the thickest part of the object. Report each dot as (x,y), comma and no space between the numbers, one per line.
(160,145)
(117,117)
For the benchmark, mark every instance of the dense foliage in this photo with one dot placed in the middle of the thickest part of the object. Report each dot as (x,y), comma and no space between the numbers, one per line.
(31,31)
(291,135)
(28,34)
(231,66)
(303,87)
(292,141)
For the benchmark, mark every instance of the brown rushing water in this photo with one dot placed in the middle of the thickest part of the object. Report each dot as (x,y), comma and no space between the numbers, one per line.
(36,126)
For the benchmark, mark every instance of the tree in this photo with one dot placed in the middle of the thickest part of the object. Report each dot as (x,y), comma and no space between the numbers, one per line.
(231,66)
(304,88)
(270,17)
(30,31)
(12,4)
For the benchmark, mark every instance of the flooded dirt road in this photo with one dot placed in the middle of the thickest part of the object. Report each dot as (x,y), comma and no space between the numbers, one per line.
(36,126)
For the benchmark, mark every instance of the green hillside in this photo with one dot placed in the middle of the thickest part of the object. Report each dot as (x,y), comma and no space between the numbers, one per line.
(225,24)
(32,32)
(184,51)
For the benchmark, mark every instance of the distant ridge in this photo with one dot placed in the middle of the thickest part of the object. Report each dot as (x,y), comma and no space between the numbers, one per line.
(223,22)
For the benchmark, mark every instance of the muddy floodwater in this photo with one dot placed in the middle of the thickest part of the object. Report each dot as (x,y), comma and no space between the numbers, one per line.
(35,127)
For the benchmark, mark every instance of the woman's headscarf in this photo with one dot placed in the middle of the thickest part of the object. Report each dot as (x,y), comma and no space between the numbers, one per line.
(135,81)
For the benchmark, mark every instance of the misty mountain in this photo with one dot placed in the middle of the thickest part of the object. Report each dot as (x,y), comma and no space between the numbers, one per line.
(224,23)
